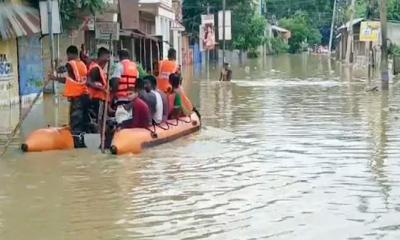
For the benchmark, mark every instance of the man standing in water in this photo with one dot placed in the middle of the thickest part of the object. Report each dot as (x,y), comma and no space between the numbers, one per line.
(77,94)
(97,85)
(226,73)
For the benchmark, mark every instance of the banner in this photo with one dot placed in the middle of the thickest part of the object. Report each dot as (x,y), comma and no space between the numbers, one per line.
(228,25)
(207,32)
(370,31)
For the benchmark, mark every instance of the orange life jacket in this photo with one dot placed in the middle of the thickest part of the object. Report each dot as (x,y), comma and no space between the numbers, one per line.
(128,79)
(76,87)
(186,103)
(167,67)
(171,103)
(95,93)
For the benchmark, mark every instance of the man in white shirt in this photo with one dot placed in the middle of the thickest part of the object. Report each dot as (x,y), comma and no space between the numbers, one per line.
(158,115)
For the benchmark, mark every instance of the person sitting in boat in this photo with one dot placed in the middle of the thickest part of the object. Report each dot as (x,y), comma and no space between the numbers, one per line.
(150,83)
(146,95)
(178,102)
(139,114)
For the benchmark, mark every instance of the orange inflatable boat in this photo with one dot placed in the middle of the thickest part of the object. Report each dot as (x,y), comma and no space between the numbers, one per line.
(135,139)
(124,141)
(47,139)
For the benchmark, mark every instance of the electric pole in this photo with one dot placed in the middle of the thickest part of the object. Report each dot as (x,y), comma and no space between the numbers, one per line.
(332,25)
(384,54)
(350,32)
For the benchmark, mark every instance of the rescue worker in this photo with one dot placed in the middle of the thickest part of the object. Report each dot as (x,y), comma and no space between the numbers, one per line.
(122,82)
(77,94)
(97,87)
(166,68)
(124,77)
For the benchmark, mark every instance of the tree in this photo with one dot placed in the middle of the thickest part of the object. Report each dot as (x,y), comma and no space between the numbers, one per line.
(252,36)
(242,16)
(73,11)
(302,31)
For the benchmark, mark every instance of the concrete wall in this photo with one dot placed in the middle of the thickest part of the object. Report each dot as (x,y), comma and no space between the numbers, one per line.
(394,32)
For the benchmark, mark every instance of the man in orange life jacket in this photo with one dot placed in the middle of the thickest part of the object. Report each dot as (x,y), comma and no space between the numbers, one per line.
(123,80)
(77,94)
(166,68)
(97,85)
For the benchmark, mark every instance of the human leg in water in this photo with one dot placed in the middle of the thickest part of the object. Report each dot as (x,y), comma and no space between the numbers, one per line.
(77,121)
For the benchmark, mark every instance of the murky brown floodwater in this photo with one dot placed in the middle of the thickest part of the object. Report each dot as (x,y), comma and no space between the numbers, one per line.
(293,149)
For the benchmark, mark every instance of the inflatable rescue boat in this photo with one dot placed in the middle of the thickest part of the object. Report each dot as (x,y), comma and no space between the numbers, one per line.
(125,141)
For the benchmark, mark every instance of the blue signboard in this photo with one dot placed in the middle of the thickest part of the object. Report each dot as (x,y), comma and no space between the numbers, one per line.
(30,65)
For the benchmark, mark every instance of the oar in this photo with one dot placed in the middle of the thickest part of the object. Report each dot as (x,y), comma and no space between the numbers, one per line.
(105,112)
(26,113)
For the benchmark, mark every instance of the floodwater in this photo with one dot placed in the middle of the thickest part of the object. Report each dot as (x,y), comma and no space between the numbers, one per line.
(292,148)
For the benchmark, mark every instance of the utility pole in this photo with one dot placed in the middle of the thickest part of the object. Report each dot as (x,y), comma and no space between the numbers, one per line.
(51,40)
(208,50)
(384,54)
(332,25)
(223,30)
(350,32)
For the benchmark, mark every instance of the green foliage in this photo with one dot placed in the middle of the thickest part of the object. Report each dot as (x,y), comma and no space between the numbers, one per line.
(303,32)
(394,50)
(278,46)
(394,10)
(251,36)
(72,11)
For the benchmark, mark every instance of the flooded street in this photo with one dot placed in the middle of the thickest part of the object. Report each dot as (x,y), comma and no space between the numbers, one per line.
(292,148)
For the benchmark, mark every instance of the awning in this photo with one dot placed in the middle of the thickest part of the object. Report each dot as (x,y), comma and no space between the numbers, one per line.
(347,25)
(177,26)
(279,29)
(18,20)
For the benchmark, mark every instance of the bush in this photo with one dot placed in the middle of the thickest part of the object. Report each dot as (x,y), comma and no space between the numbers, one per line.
(253,53)
(278,46)
(302,31)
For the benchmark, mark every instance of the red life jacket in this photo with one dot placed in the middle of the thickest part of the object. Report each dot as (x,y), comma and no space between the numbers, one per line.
(127,80)
(76,87)
(95,93)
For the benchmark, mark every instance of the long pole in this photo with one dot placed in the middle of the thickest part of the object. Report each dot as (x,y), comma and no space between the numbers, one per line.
(208,50)
(105,110)
(332,25)
(223,30)
(384,54)
(51,40)
(350,32)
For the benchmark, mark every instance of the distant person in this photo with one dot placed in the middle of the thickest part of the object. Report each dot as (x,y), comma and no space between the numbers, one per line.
(166,68)
(226,73)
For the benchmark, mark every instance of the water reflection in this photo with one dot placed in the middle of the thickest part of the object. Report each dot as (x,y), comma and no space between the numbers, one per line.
(292,148)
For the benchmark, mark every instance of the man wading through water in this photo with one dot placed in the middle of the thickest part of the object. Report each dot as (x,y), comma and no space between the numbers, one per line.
(77,94)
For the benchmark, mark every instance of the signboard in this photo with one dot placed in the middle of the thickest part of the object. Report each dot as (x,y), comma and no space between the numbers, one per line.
(370,31)
(30,69)
(228,25)
(55,17)
(104,29)
(129,12)
(207,32)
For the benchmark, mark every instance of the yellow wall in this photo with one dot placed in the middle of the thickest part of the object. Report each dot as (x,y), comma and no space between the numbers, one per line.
(9,86)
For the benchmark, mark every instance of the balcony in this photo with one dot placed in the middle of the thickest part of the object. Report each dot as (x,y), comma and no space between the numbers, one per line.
(164,3)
